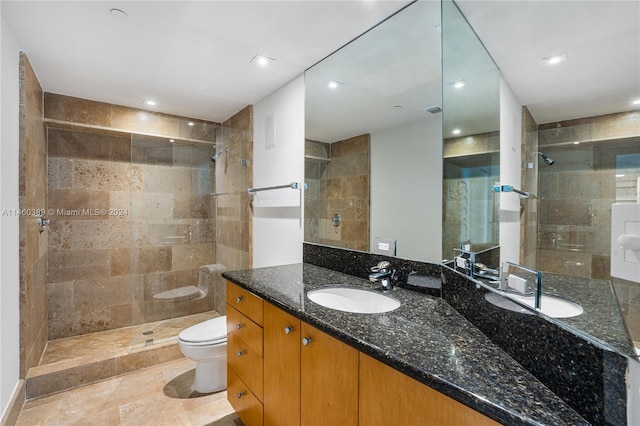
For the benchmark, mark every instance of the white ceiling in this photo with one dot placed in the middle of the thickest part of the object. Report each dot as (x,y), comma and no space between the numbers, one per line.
(192,57)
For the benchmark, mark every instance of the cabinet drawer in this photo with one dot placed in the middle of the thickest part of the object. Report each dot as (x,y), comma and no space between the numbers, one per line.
(244,402)
(246,363)
(245,302)
(245,329)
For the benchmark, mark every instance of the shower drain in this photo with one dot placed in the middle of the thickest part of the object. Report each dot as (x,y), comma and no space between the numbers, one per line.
(147,333)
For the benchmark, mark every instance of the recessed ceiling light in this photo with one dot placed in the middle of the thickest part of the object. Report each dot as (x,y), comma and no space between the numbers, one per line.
(556,59)
(150,102)
(333,84)
(576,143)
(456,131)
(619,176)
(636,102)
(262,60)
(172,140)
(191,123)
(457,84)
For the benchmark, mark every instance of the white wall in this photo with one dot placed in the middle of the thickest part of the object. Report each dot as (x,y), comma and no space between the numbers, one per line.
(9,240)
(406,188)
(510,142)
(278,159)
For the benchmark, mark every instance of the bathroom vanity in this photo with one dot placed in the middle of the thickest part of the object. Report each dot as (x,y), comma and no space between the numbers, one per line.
(421,363)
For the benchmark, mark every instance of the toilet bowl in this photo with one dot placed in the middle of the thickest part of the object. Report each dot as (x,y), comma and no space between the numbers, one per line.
(206,344)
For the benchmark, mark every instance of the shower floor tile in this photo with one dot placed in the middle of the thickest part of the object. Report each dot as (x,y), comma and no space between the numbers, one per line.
(102,345)
(160,395)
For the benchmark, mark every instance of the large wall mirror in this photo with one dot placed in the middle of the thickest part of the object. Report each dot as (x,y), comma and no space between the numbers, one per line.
(374,141)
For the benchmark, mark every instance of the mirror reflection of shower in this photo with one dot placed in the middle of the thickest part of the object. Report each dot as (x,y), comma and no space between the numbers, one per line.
(546,158)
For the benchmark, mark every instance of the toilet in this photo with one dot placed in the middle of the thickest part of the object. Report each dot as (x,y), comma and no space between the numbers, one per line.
(206,344)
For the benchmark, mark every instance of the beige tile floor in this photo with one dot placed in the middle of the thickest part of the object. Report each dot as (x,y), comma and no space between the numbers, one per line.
(157,396)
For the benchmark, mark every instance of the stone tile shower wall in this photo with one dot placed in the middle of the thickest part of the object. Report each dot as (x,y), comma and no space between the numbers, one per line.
(234,175)
(339,185)
(576,194)
(32,198)
(157,224)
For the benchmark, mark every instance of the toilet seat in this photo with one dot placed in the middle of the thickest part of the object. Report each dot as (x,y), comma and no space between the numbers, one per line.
(210,332)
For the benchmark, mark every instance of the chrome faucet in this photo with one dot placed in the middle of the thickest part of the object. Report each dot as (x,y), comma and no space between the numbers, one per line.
(383,273)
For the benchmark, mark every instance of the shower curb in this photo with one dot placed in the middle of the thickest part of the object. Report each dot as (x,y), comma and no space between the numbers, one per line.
(53,378)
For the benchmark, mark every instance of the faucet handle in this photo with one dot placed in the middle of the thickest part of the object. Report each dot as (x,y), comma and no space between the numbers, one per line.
(381,266)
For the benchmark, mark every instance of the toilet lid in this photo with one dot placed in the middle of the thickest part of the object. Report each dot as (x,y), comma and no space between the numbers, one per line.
(211,330)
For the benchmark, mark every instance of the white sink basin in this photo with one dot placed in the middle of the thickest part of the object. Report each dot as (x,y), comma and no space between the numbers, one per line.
(353,300)
(553,307)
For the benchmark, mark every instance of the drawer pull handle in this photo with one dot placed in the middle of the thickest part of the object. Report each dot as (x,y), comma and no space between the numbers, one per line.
(240,353)
(239,326)
(288,329)
(306,340)
(240,394)
(239,299)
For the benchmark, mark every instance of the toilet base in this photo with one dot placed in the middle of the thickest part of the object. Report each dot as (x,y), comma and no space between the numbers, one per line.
(211,376)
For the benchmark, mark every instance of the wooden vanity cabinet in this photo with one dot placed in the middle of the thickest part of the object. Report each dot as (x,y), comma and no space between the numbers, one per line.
(329,380)
(292,374)
(388,397)
(281,368)
(310,377)
(245,365)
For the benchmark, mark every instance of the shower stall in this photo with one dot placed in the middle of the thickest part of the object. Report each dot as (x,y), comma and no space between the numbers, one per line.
(145,214)
(133,229)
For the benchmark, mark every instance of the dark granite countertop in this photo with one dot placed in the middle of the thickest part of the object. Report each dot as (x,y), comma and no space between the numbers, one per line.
(425,338)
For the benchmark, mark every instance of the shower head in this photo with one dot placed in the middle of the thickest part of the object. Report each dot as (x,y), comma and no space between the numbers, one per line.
(217,156)
(546,158)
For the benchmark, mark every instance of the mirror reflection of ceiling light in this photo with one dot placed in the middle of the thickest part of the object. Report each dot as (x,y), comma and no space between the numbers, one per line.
(262,60)
(172,140)
(150,102)
(456,131)
(556,59)
(191,123)
(636,102)
(333,84)
(457,84)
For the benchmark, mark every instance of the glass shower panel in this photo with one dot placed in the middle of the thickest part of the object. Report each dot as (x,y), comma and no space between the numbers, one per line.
(173,228)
